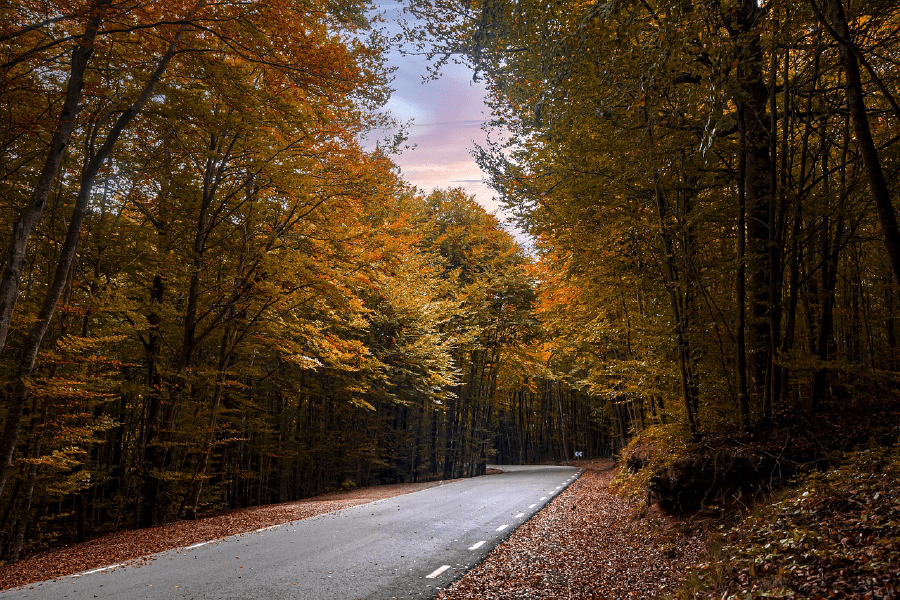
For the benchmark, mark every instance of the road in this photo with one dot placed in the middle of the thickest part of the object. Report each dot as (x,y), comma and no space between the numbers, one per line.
(407,546)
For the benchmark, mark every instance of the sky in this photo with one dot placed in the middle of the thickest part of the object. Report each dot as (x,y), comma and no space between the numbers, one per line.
(446,115)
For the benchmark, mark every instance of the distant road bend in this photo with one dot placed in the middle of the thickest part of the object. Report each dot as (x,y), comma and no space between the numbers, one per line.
(407,546)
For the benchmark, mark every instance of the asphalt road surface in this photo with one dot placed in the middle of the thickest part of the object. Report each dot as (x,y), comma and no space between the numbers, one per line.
(407,546)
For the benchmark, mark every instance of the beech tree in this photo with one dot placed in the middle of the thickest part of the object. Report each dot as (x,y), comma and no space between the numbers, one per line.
(153,132)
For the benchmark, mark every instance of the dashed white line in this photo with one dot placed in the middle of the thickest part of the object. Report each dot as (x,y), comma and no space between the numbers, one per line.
(196,545)
(502,527)
(477,545)
(437,572)
(267,528)
(532,506)
(543,497)
(91,572)
(520,515)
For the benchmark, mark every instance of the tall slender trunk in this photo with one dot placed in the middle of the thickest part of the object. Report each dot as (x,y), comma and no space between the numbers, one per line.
(452,414)
(562,423)
(158,455)
(35,338)
(25,501)
(741,285)
(757,188)
(24,225)
(670,275)
(856,103)
(196,486)
(830,256)
(796,249)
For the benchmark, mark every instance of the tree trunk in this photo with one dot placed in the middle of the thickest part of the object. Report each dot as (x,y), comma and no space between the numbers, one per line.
(196,486)
(671,282)
(757,189)
(25,224)
(741,288)
(856,103)
(38,330)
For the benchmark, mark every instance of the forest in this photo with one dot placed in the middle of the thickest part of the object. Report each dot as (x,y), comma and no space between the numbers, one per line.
(214,295)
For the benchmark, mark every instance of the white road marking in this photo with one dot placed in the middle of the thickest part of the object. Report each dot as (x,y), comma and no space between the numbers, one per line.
(437,572)
(543,497)
(558,487)
(532,506)
(520,515)
(91,572)
(478,545)
(502,527)
(196,545)
(107,568)
(267,528)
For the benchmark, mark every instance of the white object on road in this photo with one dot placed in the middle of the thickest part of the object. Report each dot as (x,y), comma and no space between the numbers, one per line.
(437,572)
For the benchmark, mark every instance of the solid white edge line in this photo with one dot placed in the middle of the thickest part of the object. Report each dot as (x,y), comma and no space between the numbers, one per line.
(92,571)
(502,527)
(108,567)
(437,572)
(477,545)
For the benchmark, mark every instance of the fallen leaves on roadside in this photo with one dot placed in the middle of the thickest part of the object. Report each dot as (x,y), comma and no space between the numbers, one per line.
(587,543)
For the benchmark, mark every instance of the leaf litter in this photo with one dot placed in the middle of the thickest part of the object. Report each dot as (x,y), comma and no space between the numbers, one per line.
(588,543)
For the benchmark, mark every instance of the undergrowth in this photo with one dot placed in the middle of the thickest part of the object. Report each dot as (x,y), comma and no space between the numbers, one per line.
(808,509)
(656,448)
(835,535)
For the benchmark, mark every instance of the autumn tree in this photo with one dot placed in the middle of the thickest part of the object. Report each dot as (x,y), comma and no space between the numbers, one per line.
(695,170)
(194,158)
(147,43)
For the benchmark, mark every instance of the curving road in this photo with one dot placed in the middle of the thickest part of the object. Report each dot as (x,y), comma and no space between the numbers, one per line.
(408,546)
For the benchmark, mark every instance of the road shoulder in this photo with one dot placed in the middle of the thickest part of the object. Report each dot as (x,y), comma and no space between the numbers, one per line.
(586,543)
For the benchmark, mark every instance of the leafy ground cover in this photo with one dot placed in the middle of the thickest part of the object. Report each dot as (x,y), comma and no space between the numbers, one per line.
(833,533)
(589,542)
(837,535)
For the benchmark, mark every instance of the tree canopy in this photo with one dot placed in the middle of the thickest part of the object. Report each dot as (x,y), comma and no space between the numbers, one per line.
(214,295)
